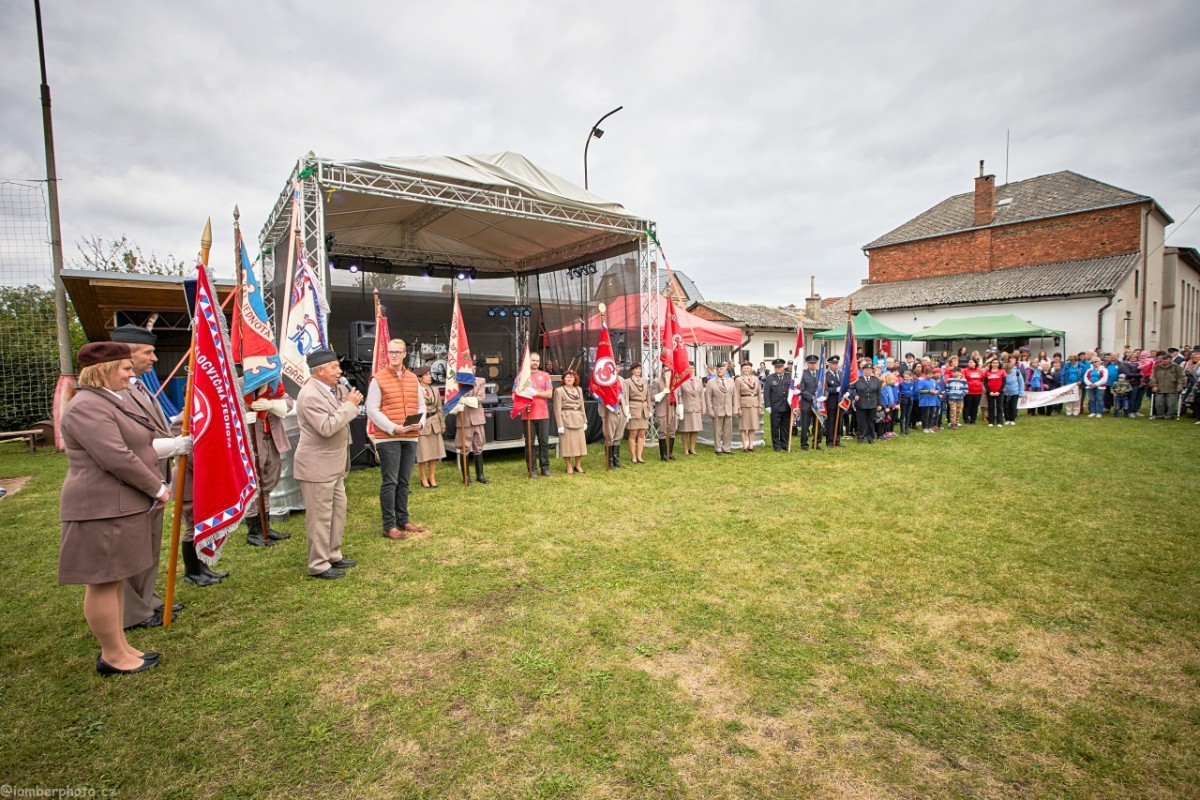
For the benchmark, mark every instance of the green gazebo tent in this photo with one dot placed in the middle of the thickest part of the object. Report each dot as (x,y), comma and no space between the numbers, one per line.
(866,328)
(997,327)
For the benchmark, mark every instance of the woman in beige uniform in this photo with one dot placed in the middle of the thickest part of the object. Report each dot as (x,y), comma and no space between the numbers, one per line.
(639,413)
(431,447)
(572,421)
(691,412)
(750,406)
(664,410)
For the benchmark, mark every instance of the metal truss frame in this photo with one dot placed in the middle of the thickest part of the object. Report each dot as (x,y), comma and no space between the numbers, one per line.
(521,294)
(650,323)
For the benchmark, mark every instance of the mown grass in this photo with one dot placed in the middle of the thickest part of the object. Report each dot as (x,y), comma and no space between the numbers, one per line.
(980,613)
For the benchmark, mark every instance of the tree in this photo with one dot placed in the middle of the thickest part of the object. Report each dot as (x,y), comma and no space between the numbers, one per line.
(29,353)
(122,255)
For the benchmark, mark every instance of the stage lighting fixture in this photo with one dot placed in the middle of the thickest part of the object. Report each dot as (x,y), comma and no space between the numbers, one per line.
(330,243)
(353,269)
(429,272)
(591,269)
(491,311)
(528,312)
(503,311)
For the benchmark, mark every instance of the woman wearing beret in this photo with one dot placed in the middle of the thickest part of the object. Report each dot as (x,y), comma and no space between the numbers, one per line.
(113,483)
(572,421)
(639,413)
(431,447)
(691,412)
(750,406)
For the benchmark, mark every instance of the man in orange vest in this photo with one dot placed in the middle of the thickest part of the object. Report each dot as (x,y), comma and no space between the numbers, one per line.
(393,396)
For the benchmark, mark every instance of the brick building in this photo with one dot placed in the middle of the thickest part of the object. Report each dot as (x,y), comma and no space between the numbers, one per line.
(1061,250)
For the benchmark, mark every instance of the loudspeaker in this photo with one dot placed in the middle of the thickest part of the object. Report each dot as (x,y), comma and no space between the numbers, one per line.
(362,341)
(493,362)
(362,455)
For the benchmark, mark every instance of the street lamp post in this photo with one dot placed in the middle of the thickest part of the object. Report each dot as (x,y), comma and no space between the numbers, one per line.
(597,133)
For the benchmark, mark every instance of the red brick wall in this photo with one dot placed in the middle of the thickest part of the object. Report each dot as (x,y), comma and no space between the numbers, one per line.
(1092,234)
(709,314)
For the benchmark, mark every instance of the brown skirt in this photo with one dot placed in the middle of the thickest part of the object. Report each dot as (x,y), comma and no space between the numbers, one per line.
(106,550)
(691,422)
(572,442)
(638,424)
(431,448)
(750,419)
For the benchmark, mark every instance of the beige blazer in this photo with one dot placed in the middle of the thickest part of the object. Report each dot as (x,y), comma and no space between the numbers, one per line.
(720,397)
(112,470)
(477,415)
(569,411)
(323,452)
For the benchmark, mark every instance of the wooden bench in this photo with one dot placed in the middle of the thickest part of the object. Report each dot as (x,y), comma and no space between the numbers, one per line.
(33,437)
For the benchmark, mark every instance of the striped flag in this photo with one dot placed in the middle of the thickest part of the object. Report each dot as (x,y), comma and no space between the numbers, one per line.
(304,330)
(605,383)
(379,357)
(253,341)
(523,387)
(850,373)
(797,369)
(460,367)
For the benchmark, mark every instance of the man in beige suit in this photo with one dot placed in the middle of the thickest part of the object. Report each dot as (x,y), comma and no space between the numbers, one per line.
(324,410)
(143,606)
(720,396)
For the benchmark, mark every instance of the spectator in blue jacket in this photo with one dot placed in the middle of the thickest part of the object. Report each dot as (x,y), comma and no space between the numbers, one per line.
(928,400)
(1014,387)
(908,398)
(1071,373)
(956,394)
(889,402)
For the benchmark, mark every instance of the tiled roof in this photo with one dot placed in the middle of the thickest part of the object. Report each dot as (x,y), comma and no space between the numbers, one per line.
(1063,278)
(687,284)
(1045,196)
(753,315)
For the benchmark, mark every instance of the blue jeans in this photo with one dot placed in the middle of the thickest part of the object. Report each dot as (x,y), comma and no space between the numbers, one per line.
(1135,399)
(1095,395)
(1120,405)
(396,460)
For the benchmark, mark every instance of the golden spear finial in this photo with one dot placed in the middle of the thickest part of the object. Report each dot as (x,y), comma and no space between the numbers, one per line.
(206,242)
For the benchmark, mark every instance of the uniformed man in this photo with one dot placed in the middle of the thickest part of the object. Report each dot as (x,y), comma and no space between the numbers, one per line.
(720,398)
(833,386)
(808,386)
(143,606)
(473,419)
(614,426)
(268,406)
(324,410)
(775,397)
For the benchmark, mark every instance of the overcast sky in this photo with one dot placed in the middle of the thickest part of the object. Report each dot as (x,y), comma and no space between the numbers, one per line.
(769,140)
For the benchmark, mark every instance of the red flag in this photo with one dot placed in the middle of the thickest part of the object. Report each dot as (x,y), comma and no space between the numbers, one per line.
(797,362)
(224,480)
(523,387)
(605,383)
(674,352)
(460,366)
(379,357)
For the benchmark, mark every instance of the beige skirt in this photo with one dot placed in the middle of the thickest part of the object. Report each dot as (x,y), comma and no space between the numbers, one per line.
(431,447)
(572,442)
(750,419)
(691,422)
(106,550)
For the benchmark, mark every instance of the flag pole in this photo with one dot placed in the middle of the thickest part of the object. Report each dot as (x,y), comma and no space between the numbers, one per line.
(604,417)
(181,463)
(261,501)
(837,425)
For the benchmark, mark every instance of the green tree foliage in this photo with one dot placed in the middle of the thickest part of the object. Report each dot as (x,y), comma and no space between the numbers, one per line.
(122,255)
(29,353)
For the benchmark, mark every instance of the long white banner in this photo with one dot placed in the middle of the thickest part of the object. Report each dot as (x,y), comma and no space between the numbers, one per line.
(1063,394)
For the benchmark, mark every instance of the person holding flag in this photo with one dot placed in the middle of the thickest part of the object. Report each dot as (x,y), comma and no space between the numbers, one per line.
(473,419)
(538,413)
(665,410)
(808,386)
(609,388)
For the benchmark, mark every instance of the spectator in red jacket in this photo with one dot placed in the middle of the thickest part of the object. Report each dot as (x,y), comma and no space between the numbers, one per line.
(974,377)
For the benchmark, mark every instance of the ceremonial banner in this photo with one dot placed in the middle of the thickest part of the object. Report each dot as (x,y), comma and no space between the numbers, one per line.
(223,480)
(819,400)
(797,370)
(523,387)
(253,342)
(460,367)
(605,382)
(379,356)
(304,330)
(850,373)
(674,351)
(1063,394)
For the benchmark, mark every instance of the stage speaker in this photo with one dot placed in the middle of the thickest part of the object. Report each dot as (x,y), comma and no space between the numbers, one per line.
(362,455)
(362,341)
(493,363)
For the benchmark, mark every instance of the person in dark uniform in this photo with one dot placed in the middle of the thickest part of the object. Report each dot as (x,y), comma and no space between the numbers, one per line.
(809,386)
(833,386)
(865,392)
(775,397)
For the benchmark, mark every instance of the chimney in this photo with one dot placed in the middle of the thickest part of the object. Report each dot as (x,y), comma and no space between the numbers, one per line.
(985,197)
(812,304)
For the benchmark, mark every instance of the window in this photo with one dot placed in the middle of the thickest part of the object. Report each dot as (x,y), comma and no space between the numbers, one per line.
(770,349)
(1137,277)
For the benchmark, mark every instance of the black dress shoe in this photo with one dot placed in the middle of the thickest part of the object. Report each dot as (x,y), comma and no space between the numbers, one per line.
(255,540)
(175,609)
(107,671)
(343,563)
(155,620)
(277,536)
(330,574)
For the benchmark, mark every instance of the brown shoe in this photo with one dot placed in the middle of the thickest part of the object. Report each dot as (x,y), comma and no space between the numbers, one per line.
(394,533)
(414,528)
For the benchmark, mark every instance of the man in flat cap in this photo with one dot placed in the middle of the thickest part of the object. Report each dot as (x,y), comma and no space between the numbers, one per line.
(775,398)
(324,409)
(143,606)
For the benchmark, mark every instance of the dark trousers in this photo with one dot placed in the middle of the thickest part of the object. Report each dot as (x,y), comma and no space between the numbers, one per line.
(906,414)
(833,419)
(929,416)
(971,408)
(779,427)
(540,431)
(1010,407)
(995,409)
(396,461)
(864,424)
(807,417)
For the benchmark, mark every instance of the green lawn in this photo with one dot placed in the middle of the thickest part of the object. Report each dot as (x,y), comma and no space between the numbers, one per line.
(980,613)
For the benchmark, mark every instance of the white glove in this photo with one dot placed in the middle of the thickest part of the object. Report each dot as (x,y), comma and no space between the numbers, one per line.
(658,397)
(172,446)
(628,416)
(276,407)
(250,418)
(473,402)
(561,431)
(175,419)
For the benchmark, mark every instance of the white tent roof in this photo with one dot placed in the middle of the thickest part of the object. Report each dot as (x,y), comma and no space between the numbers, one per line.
(498,213)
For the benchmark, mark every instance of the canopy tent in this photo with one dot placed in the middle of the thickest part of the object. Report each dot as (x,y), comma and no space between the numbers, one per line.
(623,313)
(985,327)
(866,328)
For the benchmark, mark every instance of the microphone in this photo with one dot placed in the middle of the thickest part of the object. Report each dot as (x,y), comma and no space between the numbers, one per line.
(342,380)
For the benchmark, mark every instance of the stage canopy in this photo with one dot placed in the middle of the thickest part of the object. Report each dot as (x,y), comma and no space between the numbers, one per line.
(985,327)
(866,328)
(623,314)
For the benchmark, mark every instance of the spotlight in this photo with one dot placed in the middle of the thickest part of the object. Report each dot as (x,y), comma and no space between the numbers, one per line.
(330,243)
(429,272)
(528,312)
(503,311)
(599,134)
(353,269)
(491,311)
(591,269)
(473,273)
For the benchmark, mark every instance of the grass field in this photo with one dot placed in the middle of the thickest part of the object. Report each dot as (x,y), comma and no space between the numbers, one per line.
(989,613)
